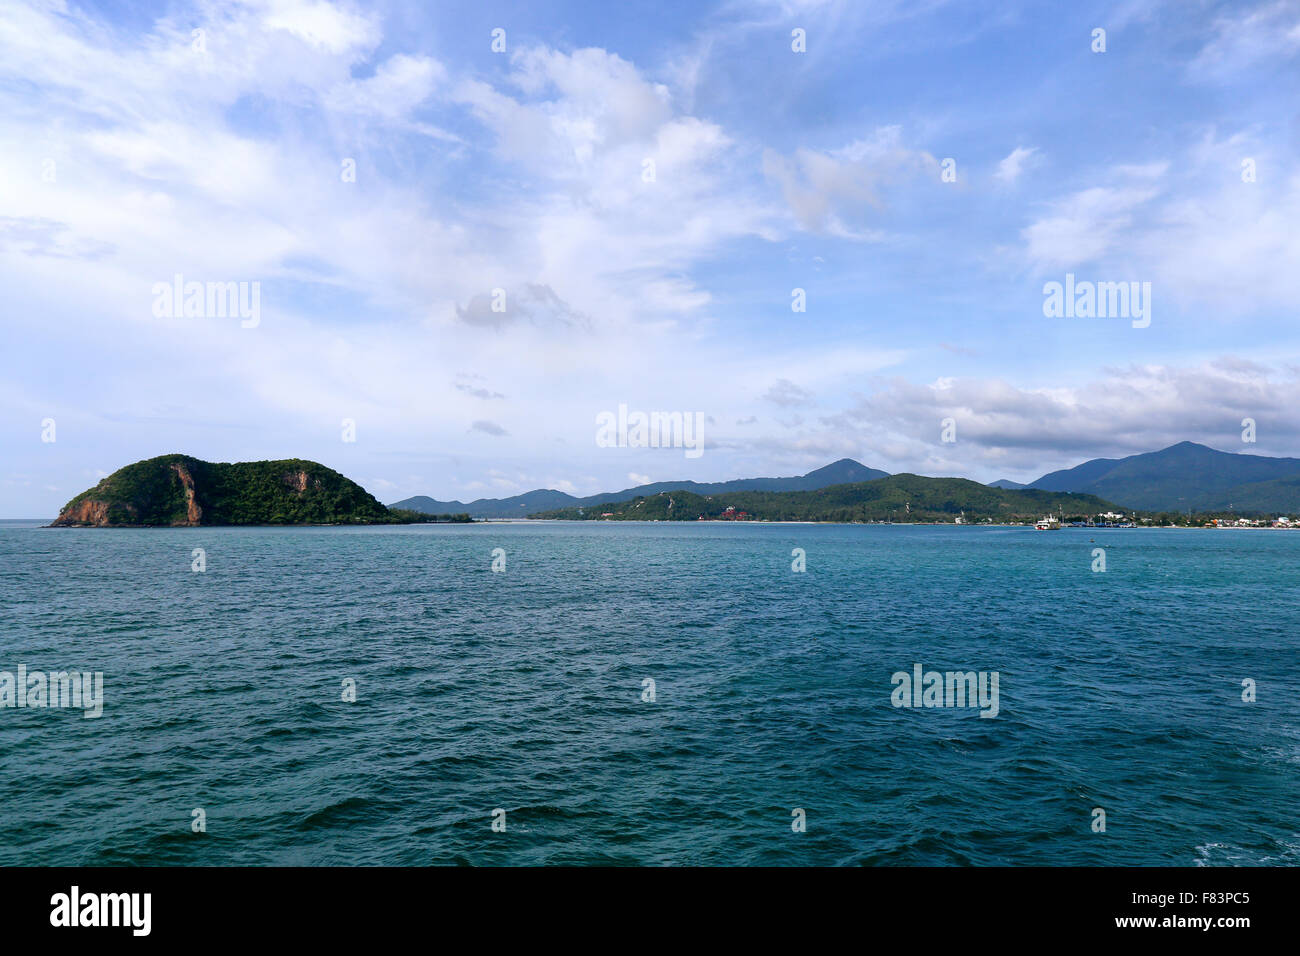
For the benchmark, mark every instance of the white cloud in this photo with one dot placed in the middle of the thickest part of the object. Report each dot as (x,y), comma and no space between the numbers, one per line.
(1010,168)
(399,85)
(1029,431)
(331,27)
(787,394)
(835,192)
(1244,39)
(1205,239)
(177,187)
(225,165)
(1084,226)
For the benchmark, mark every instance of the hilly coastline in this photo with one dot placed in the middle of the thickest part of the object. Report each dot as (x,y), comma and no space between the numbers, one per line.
(902,498)
(1186,478)
(844,471)
(181,491)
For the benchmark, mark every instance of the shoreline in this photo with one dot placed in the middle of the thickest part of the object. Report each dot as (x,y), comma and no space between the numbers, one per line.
(46,523)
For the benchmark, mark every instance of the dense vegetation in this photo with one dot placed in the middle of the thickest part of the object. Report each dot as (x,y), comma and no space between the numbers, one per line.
(180,490)
(896,498)
(407,516)
(1188,477)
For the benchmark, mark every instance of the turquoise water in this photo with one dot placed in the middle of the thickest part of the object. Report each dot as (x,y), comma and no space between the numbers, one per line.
(522,690)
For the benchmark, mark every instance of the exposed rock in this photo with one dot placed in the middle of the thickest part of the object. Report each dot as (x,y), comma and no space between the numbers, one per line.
(297,480)
(193,513)
(87,512)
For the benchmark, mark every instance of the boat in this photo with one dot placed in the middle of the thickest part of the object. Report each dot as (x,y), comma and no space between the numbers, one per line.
(1050,523)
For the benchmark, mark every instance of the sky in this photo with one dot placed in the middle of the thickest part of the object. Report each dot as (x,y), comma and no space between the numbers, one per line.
(473,228)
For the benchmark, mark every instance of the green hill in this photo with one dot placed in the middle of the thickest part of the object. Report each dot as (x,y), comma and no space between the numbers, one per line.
(179,491)
(896,498)
(1184,477)
(1281,496)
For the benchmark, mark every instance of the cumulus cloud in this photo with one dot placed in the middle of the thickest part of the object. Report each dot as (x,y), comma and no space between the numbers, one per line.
(536,302)
(172,160)
(641,242)
(1196,229)
(1028,431)
(787,394)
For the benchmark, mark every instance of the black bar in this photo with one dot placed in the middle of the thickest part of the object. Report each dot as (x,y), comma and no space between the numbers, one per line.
(947,906)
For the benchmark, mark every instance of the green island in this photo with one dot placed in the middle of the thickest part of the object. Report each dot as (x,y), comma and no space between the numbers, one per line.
(897,498)
(180,491)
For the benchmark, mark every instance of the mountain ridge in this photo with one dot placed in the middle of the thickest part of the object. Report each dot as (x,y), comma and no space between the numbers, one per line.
(1186,476)
(843,471)
(894,498)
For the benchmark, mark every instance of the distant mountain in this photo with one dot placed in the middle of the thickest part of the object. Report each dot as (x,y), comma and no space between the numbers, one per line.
(181,491)
(899,498)
(844,471)
(1078,476)
(518,506)
(1186,476)
(1183,477)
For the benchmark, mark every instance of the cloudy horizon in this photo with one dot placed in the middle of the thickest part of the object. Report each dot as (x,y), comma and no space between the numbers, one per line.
(824,227)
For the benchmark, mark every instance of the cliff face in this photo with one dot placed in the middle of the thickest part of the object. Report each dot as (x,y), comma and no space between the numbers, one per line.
(180,491)
(87,512)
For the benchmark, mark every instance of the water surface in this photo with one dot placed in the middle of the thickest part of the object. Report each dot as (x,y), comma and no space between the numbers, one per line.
(522,690)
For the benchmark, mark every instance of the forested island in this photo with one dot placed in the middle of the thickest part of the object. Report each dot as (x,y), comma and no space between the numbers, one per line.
(181,491)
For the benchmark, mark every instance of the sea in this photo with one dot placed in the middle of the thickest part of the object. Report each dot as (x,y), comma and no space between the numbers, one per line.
(661,694)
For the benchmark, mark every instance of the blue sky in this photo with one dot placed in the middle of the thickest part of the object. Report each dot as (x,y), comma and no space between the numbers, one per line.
(132,151)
